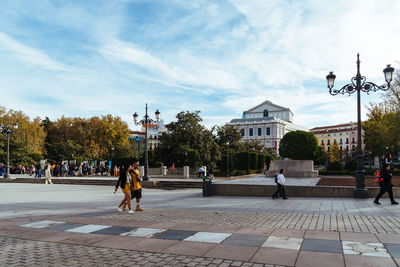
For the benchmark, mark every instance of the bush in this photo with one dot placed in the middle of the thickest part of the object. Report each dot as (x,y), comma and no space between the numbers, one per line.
(260,161)
(243,161)
(334,166)
(193,158)
(253,160)
(351,165)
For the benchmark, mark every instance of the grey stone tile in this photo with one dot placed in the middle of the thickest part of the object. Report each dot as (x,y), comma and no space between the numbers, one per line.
(95,214)
(393,249)
(114,230)
(175,234)
(245,240)
(319,245)
(64,226)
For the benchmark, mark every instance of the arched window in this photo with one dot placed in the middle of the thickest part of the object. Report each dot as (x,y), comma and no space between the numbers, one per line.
(265,113)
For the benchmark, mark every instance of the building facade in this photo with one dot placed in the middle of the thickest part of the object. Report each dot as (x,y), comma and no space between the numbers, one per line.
(345,135)
(266,123)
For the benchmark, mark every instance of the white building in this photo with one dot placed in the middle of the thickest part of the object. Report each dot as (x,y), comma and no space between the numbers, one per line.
(267,123)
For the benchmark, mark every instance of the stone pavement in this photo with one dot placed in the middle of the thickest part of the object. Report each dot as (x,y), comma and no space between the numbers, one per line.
(181,228)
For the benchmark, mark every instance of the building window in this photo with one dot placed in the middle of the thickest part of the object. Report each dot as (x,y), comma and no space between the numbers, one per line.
(322,142)
(354,148)
(340,142)
(347,140)
(268,131)
(341,148)
(329,148)
(265,113)
(329,142)
(352,140)
(242,132)
(259,131)
(251,132)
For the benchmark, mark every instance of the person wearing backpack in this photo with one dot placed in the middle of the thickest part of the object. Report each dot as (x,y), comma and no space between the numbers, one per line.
(280,182)
(385,185)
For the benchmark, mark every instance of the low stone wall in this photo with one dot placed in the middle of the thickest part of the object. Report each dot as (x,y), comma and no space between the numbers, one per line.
(293,168)
(292,191)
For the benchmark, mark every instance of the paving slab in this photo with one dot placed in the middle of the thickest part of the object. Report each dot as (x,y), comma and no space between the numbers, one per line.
(362,237)
(153,245)
(364,249)
(207,237)
(231,252)
(84,239)
(144,232)
(368,261)
(277,256)
(389,238)
(321,245)
(245,240)
(283,242)
(321,235)
(114,230)
(190,248)
(393,249)
(318,259)
(118,242)
(175,234)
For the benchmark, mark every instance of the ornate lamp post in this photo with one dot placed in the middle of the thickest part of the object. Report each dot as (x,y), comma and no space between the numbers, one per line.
(227,159)
(145,121)
(359,84)
(7,130)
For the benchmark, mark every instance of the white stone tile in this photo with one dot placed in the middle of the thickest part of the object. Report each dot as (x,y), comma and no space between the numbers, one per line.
(364,249)
(41,224)
(88,228)
(207,237)
(283,242)
(143,232)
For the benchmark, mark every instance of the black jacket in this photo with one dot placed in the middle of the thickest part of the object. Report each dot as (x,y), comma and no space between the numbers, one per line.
(387,177)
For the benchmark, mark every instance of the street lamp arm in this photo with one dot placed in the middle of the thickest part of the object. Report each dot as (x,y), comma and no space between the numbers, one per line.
(144,121)
(370,86)
(347,89)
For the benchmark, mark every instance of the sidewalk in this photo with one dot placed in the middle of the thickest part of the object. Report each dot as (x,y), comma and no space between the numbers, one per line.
(181,228)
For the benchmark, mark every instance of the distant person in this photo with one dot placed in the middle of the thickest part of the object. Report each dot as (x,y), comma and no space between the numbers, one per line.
(202,172)
(265,169)
(388,161)
(47,174)
(125,184)
(172,168)
(280,182)
(386,185)
(211,173)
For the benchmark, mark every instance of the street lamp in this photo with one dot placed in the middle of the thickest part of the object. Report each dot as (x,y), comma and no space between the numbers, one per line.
(358,84)
(145,121)
(7,130)
(227,159)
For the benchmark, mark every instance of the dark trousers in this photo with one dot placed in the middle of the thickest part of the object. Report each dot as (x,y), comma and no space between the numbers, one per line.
(385,188)
(280,191)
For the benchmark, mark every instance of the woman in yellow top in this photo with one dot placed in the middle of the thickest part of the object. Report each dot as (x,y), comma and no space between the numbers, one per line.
(137,187)
(125,182)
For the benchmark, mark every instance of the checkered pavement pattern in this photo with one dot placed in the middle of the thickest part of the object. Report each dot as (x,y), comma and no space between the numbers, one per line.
(346,247)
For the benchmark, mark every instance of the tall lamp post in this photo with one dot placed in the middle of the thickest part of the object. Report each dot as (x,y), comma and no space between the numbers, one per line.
(145,121)
(359,84)
(7,130)
(227,159)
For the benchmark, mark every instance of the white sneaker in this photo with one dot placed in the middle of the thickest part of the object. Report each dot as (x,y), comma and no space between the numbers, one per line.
(119,209)
(131,212)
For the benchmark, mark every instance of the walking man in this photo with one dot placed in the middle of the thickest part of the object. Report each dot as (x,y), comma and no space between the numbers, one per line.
(137,187)
(281,185)
(385,185)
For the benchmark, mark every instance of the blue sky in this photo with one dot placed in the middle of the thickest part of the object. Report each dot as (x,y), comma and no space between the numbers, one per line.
(87,58)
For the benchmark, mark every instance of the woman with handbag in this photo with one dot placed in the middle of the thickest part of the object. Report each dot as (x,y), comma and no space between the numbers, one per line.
(385,185)
(125,183)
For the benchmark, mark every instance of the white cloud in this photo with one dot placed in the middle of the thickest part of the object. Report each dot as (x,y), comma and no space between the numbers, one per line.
(27,54)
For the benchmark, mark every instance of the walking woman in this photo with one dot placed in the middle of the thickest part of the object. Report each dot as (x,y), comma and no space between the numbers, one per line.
(385,185)
(125,184)
(47,174)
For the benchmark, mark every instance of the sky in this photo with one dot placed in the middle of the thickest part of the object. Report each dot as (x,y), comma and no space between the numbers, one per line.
(97,57)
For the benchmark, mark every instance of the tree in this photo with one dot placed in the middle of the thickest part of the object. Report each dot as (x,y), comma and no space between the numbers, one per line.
(299,145)
(26,142)
(188,134)
(228,133)
(335,155)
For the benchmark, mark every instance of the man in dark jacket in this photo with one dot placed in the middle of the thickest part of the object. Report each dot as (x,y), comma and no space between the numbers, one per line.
(385,185)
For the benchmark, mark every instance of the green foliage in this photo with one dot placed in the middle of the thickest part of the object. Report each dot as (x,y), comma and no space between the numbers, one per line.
(193,159)
(335,154)
(320,156)
(298,145)
(260,161)
(253,160)
(334,166)
(228,133)
(243,161)
(187,134)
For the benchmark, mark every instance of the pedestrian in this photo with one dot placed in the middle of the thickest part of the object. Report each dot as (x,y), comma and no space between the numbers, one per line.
(265,168)
(172,168)
(388,161)
(202,172)
(211,173)
(125,184)
(385,185)
(137,186)
(280,182)
(47,174)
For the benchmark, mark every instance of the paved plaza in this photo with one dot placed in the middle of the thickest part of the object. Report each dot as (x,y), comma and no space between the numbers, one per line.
(77,225)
